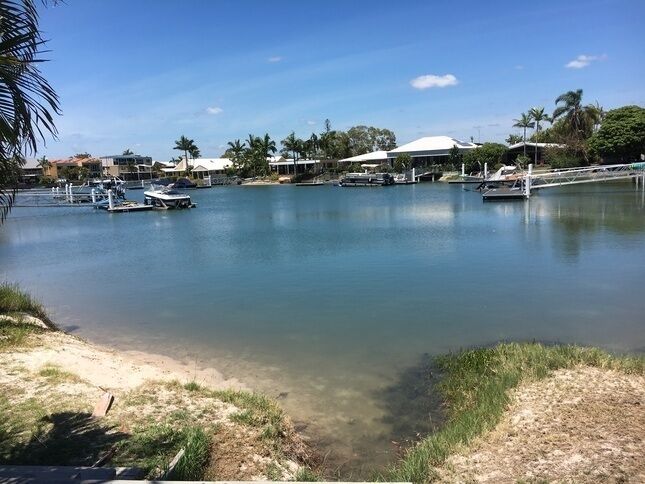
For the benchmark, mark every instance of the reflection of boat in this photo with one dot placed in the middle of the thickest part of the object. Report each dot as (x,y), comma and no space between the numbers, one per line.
(167,198)
(366,180)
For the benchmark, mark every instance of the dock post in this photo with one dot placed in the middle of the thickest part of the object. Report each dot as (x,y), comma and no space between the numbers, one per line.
(485,170)
(414,174)
(93,196)
(71,195)
(110,199)
(463,169)
(528,181)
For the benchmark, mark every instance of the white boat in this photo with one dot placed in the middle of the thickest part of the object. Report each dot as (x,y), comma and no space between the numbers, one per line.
(166,198)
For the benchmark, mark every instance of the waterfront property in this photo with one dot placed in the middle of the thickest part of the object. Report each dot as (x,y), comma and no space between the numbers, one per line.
(127,167)
(62,168)
(200,167)
(517,149)
(374,158)
(32,171)
(430,150)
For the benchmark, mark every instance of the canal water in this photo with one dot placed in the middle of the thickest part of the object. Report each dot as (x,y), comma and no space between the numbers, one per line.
(331,299)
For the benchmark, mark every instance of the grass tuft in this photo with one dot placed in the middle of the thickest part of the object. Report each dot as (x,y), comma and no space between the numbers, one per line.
(475,386)
(305,474)
(14,300)
(196,445)
(13,335)
(56,375)
(192,386)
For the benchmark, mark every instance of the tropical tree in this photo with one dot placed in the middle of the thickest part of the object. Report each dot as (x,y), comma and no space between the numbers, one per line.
(538,116)
(44,163)
(513,139)
(402,162)
(455,157)
(524,122)
(235,152)
(128,152)
(580,120)
(194,152)
(292,144)
(27,101)
(186,145)
(313,144)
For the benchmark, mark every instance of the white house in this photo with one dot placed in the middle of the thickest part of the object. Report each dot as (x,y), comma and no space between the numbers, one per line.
(430,149)
(200,167)
(375,157)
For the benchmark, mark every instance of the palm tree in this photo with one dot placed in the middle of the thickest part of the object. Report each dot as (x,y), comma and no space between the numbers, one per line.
(314,144)
(267,147)
(524,122)
(579,119)
(292,144)
(27,101)
(194,152)
(186,145)
(128,152)
(538,115)
(513,139)
(44,164)
(236,149)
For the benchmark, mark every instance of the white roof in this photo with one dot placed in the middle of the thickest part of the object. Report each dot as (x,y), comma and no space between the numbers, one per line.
(539,145)
(374,155)
(30,164)
(289,161)
(432,144)
(201,164)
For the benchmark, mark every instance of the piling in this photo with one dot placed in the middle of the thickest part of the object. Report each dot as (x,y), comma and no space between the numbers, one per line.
(528,181)
(463,169)
(93,196)
(485,170)
(110,199)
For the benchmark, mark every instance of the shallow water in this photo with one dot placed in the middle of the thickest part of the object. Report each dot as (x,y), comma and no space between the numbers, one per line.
(329,297)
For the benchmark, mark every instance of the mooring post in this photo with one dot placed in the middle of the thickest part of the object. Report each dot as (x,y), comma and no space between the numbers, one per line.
(93,196)
(414,174)
(528,181)
(110,199)
(485,170)
(71,195)
(463,169)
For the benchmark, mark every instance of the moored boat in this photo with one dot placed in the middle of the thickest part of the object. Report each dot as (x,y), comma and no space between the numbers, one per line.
(167,198)
(366,180)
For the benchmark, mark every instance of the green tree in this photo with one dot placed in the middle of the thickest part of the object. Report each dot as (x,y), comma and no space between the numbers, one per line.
(455,156)
(235,152)
(579,120)
(538,116)
(513,139)
(621,136)
(491,153)
(365,139)
(292,144)
(194,153)
(402,162)
(127,152)
(44,163)
(28,103)
(524,122)
(186,145)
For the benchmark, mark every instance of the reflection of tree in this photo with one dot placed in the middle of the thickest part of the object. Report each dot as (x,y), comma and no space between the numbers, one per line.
(602,209)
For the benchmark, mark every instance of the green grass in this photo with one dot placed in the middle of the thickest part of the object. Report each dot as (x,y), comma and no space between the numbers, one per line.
(56,375)
(14,300)
(475,386)
(13,335)
(192,386)
(305,474)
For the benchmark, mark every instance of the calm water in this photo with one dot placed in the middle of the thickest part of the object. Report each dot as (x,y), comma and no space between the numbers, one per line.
(329,298)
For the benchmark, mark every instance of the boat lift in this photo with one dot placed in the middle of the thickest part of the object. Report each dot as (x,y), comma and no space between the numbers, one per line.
(568,176)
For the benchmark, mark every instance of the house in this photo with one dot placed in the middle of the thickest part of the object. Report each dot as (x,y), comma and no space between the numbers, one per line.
(518,149)
(286,166)
(32,172)
(61,168)
(127,167)
(200,167)
(430,150)
(373,158)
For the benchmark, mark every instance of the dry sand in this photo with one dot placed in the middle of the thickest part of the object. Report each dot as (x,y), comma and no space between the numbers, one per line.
(579,425)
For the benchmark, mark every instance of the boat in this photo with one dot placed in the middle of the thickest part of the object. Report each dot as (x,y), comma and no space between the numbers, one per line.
(167,198)
(503,193)
(402,179)
(183,183)
(366,180)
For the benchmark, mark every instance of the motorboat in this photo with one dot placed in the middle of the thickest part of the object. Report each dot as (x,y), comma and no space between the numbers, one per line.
(366,180)
(167,198)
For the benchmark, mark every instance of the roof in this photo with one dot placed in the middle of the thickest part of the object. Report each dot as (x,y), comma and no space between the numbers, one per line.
(289,161)
(30,164)
(374,155)
(539,145)
(431,144)
(201,164)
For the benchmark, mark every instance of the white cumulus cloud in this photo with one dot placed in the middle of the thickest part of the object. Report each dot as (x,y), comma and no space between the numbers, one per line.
(214,110)
(583,61)
(275,58)
(311,123)
(430,80)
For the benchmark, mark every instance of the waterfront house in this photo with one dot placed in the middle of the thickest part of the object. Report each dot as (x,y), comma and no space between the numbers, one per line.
(200,167)
(518,149)
(59,169)
(127,167)
(373,158)
(285,166)
(31,171)
(430,150)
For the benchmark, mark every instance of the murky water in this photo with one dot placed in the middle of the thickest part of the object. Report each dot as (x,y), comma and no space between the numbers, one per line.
(329,297)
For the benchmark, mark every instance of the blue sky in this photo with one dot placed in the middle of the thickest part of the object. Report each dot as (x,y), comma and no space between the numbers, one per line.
(138,74)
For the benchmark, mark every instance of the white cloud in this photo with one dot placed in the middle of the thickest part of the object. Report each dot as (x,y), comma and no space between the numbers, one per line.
(430,80)
(275,58)
(583,61)
(311,123)
(214,110)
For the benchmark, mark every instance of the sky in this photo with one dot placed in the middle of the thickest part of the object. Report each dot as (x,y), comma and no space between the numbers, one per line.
(138,74)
